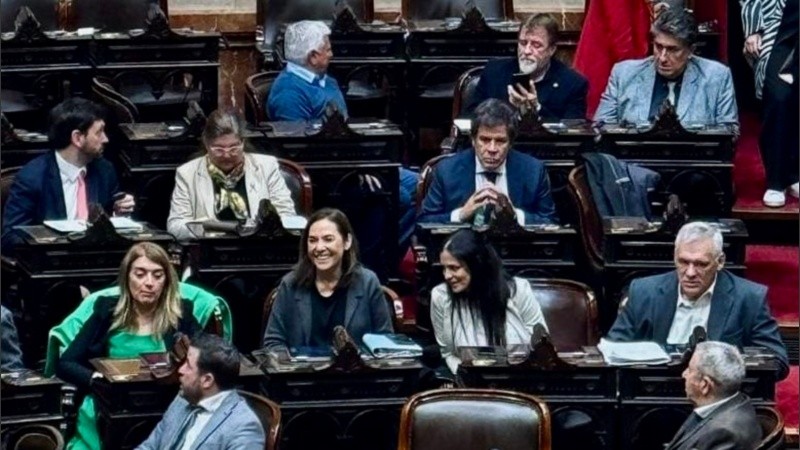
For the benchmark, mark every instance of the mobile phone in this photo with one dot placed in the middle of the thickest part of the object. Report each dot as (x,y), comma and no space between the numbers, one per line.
(522,79)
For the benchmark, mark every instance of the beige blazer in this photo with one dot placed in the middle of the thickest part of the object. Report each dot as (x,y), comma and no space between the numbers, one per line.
(193,197)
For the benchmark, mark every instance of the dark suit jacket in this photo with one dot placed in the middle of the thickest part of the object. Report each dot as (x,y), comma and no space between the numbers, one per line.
(37,194)
(739,314)
(92,341)
(454,182)
(732,426)
(366,311)
(562,91)
(232,426)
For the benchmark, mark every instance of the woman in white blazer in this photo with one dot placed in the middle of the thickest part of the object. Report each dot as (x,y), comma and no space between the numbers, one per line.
(227,183)
(479,305)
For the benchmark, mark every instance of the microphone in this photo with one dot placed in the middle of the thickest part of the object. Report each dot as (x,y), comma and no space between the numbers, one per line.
(698,335)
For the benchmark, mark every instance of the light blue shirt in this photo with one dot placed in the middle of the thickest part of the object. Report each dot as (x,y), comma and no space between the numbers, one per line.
(305,74)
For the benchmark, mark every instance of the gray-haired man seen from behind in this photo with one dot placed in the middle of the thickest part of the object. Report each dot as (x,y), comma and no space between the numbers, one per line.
(666,308)
(723,417)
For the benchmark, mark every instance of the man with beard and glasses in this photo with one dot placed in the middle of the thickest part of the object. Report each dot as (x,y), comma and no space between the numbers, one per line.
(208,413)
(61,184)
(554,90)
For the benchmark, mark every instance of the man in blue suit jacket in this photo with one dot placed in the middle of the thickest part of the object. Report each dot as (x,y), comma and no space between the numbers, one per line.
(700,89)
(556,91)
(666,308)
(208,413)
(465,183)
(46,188)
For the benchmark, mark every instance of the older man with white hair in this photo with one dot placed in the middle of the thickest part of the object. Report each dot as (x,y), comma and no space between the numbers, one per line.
(666,308)
(723,417)
(303,89)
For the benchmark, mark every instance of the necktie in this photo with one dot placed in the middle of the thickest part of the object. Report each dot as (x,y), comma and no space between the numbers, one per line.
(671,94)
(186,425)
(690,424)
(491,177)
(82,209)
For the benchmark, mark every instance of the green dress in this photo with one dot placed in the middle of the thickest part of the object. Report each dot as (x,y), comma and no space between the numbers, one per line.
(121,345)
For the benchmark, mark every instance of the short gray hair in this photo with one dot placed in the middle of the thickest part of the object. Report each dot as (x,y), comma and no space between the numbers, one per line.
(722,363)
(301,38)
(678,23)
(696,231)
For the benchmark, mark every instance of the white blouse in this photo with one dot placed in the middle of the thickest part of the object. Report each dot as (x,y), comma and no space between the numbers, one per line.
(454,330)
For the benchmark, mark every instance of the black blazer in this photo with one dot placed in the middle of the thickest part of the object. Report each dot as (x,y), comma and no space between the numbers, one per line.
(562,91)
(92,341)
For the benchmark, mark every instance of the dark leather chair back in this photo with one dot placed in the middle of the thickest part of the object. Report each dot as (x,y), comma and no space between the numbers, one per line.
(590,224)
(45,12)
(441,9)
(299,183)
(274,13)
(115,15)
(426,176)
(474,419)
(570,311)
(121,107)
(269,413)
(7,177)
(34,437)
(465,90)
(267,309)
(257,89)
(772,432)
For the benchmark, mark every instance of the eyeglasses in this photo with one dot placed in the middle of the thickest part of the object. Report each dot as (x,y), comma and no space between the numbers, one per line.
(226,150)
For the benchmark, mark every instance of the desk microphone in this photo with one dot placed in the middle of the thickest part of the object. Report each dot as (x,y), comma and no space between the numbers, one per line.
(698,335)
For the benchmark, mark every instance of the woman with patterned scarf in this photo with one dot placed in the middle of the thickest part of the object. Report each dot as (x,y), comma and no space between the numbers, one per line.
(227,183)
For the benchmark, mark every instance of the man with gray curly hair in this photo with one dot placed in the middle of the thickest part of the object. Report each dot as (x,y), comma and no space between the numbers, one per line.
(303,90)
(723,417)
(666,308)
(701,90)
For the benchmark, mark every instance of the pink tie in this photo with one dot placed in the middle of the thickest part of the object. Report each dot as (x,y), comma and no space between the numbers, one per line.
(83,207)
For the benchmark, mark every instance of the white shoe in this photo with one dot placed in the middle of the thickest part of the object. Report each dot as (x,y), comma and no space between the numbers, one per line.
(774,199)
(794,190)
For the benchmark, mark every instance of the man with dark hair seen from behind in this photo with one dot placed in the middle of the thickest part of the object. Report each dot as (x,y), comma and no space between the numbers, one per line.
(208,413)
(723,417)
(667,308)
(556,91)
(466,184)
(61,184)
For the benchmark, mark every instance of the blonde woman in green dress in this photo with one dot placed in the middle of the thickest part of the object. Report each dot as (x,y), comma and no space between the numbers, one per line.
(143,318)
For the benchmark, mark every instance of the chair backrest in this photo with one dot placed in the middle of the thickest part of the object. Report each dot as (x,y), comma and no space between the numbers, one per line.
(469,419)
(299,183)
(590,225)
(441,9)
(45,11)
(269,413)
(772,434)
(121,107)
(426,176)
(208,309)
(7,177)
(570,311)
(257,89)
(115,15)
(34,437)
(267,309)
(465,91)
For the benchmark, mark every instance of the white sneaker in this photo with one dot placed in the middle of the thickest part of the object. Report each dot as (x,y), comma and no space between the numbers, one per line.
(794,190)
(774,199)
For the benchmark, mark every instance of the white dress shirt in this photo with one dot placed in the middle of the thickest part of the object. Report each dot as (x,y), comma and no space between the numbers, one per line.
(69,183)
(705,411)
(210,406)
(689,314)
(501,183)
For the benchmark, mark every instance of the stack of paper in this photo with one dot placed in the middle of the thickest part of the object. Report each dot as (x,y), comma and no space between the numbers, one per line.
(632,353)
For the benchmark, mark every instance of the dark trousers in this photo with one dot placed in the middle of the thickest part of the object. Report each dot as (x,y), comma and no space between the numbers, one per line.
(779,133)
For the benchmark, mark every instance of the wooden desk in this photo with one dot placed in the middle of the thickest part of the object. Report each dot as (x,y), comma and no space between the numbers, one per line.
(27,397)
(635,407)
(52,267)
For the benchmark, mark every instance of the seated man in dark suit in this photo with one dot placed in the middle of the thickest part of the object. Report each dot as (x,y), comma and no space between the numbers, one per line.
(700,89)
(62,183)
(465,183)
(666,308)
(556,91)
(208,413)
(723,417)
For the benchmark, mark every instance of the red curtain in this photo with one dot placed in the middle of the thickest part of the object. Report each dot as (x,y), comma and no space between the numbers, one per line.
(613,30)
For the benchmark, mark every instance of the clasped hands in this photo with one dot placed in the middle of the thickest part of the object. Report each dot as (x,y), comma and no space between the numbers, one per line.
(487,195)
